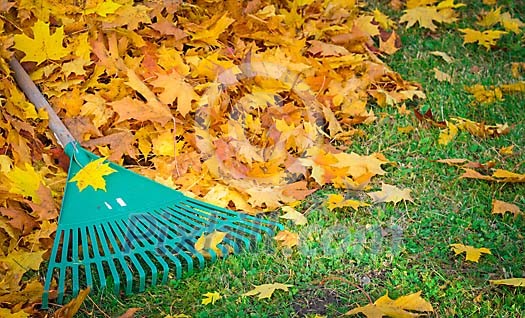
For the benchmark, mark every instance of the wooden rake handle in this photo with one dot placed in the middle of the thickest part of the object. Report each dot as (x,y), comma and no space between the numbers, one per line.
(32,92)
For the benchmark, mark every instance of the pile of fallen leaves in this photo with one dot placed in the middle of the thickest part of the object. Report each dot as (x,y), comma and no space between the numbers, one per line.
(245,107)
(249,108)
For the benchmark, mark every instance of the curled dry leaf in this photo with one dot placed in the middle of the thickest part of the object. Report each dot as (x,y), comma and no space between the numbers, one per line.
(518,282)
(501,207)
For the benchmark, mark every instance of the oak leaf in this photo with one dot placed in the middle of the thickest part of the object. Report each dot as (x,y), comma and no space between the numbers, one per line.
(266,290)
(412,305)
(210,298)
(518,282)
(43,46)
(93,174)
(390,193)
(501,207)
(292,214)
(472,253)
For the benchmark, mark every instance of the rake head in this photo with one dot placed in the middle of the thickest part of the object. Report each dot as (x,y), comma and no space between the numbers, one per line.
(137,233)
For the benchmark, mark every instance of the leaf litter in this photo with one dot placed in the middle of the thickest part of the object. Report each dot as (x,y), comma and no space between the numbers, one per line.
(233,106)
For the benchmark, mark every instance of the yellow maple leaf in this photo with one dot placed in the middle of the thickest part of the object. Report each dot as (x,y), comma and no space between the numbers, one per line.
(518,282)
(211,34)
(483,94)
(104,8)
(501,207)
(287,238)
(384,21)
(292,214)
(266,290)
(338,201)
(486,39)
(25,182)
(175,88)
(390,193)
(210,298)
(425,16)
(490,18)
(506,151)
(210,241)
(412,305)
(472,254)
(511,24)
(93,175)
(448,134)
(43,46)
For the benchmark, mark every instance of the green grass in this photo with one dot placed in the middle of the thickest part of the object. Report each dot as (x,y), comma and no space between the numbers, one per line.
(347,256)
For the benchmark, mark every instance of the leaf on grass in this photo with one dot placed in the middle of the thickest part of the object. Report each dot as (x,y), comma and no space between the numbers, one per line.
(337,200)
(210,241)
(472,253)
(518,282)
(412,305)
(501,207)
(511,24)
(130,313)
(390,193)
(506,151)
(447,58)
(480,129)
(486,39)
(485,95)
(442,76)
(292,214)
(266,290)
(448,134)
(93,175)
(70,309)
(43,46)
(287,238)
(210,298)
(425,16)
(499,175)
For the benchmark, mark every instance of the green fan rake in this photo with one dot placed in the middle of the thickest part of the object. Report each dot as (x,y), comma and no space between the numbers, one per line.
(137,233)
